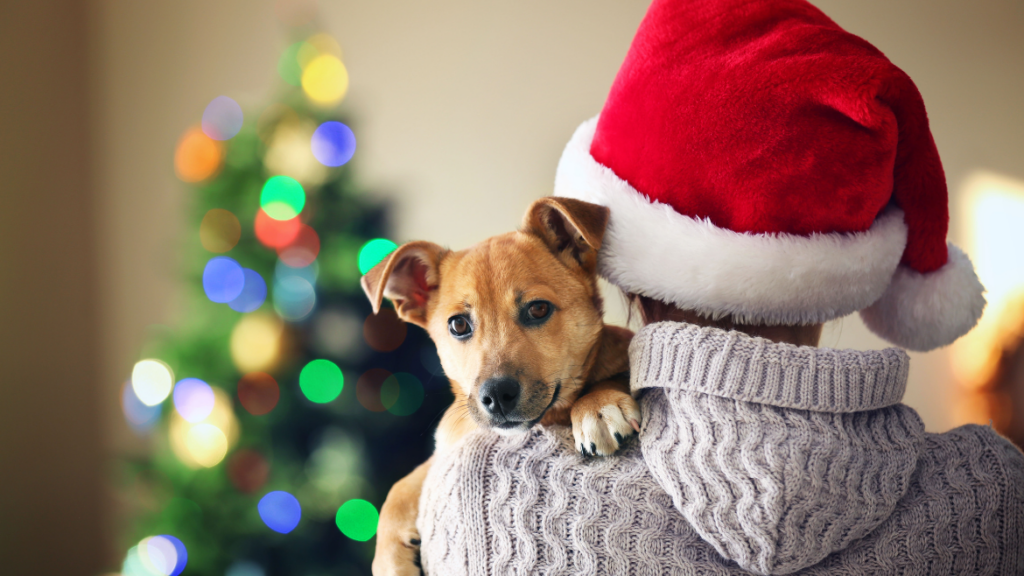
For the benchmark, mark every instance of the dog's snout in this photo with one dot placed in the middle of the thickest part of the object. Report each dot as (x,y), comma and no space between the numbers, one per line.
(500,395)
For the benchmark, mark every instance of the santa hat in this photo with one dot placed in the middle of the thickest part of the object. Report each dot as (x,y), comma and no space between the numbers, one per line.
(761,162)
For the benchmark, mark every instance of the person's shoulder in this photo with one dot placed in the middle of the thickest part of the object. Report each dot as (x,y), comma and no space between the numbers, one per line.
(978,453)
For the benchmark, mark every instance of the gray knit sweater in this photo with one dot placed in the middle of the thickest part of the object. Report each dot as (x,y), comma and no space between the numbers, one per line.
(753,457)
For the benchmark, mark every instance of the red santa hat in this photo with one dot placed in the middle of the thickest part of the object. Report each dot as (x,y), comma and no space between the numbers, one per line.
(761,162)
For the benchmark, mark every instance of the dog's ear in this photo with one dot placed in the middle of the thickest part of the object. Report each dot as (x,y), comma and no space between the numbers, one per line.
(569,227)
(406,277)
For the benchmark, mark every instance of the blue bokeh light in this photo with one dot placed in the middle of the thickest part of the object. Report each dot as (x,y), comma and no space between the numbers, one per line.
(333,144)
(139,416)
(223,279)
(193,399)
(222,118)
(254,292)
(294,298)
(280,511)
(182,554)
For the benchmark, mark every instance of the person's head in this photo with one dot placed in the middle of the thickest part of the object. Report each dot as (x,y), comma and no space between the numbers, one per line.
(763,167)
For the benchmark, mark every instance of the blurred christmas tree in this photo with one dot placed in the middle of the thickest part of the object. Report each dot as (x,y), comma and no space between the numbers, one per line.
(281,409)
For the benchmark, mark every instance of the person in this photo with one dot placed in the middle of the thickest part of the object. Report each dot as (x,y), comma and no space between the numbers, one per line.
(765,172)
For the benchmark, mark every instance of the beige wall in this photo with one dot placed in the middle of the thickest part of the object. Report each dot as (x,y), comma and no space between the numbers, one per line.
(461,109)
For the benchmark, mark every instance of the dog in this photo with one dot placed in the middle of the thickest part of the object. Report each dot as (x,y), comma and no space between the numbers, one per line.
(518,325)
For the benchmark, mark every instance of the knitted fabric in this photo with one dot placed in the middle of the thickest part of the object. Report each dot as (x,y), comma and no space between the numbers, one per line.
(753,457)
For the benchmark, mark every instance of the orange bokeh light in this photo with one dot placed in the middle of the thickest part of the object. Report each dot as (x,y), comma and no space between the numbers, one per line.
(197,156)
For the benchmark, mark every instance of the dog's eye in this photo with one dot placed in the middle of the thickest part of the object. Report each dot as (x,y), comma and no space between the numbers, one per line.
(536,312)
(459,327)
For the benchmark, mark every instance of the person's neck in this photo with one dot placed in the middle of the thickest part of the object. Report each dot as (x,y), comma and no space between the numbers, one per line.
(797,335)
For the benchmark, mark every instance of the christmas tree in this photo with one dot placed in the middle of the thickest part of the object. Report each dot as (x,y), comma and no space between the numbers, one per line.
(280,409)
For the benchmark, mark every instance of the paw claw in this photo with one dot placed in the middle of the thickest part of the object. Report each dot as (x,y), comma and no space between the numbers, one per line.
(635,425)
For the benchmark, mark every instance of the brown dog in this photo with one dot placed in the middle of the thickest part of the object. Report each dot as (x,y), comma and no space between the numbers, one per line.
(517,321)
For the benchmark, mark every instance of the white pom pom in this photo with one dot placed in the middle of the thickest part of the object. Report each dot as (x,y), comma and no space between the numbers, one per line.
(927,311)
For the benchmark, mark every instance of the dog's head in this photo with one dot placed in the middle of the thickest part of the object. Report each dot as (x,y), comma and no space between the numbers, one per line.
(516,318)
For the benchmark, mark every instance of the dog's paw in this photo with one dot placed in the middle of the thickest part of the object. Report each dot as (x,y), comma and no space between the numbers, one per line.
(602,420)
(398,557)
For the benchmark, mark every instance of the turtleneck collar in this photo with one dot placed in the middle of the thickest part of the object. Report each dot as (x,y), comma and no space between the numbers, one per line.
(733,365)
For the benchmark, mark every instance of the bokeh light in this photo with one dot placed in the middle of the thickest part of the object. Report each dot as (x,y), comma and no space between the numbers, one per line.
(333,144)
(245,568)
(258,393)
(373,252)
(324,44)
(222,118)
(384,331)
(275,233)
(271,117)
(193,399)
(152,381)
(294,298)
(368,389)
(206,443)
(280,511)
(256,342)
(162,555)
(401,393)
(357,519)
(282,197)
(248,471)
(289,152)
(338,332)
(288,65)
(302,250)
(219,231)
(139,416)
(197,156)
(223,279)
(308,273)
(321,381)
(325,80)
(253,294)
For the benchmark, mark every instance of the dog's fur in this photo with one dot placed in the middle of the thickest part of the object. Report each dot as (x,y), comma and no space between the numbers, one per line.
(568,367)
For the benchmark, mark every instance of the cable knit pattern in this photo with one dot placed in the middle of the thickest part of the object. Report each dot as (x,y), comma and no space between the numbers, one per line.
(720,484)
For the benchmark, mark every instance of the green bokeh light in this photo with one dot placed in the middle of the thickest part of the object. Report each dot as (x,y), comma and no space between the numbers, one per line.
(282,198)
(321,381)
(401,394)
(373,252)
(357,519)
(288,66)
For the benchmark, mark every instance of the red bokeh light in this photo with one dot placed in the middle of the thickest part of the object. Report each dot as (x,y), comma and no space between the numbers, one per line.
(276,234)
(258,392)
(302,250)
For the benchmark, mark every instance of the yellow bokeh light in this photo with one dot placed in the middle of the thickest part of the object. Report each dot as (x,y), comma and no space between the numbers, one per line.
(289,153)
(205,443)
(152,381)
(325,80)
(994,206)
(256,343)
(219,231)
(325,44)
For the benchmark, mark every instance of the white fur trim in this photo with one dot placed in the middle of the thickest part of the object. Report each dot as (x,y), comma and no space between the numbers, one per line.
(926,311)
(651,249)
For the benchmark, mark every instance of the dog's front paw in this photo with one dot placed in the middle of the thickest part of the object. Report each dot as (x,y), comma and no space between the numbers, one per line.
(602,420)
(398,556)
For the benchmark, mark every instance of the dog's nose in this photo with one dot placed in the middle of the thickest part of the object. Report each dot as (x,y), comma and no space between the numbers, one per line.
(500,395)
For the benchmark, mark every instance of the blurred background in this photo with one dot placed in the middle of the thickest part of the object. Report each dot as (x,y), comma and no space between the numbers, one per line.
(191,189)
